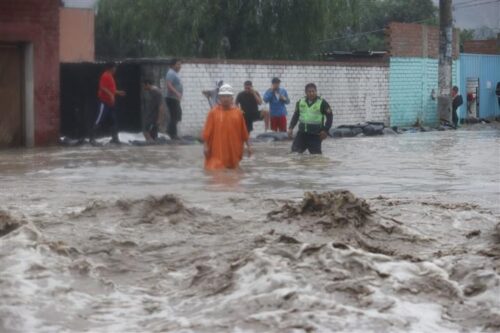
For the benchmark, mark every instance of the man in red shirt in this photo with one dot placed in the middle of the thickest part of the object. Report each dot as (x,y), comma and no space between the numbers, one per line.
(106,95)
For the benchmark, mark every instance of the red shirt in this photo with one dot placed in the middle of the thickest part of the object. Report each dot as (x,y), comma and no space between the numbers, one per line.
(106,81)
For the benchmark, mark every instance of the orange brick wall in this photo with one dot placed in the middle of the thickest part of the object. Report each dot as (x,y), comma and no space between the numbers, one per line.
(482,46)
(416,40)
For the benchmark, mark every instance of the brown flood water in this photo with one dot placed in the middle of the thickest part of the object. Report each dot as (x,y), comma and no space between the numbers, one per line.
(402,234)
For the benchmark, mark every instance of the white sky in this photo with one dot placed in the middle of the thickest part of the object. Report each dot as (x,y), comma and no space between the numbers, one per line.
(79,3)
(472,14)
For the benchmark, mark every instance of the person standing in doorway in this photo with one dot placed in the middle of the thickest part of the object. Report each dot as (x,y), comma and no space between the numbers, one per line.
(174,97)
(277,98)
(315,117)
(106,94)
(249,100)
(153,109)
(225,133)
(457,100)
(497,92)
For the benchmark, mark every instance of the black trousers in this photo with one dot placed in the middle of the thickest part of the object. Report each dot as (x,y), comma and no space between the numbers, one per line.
(454,117)
(106,114)
(306,141)
(175,111)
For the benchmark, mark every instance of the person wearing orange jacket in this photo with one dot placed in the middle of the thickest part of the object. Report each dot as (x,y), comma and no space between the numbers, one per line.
(225,133)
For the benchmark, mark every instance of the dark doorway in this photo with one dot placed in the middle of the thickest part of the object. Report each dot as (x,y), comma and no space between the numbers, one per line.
(79,104)
(11,106)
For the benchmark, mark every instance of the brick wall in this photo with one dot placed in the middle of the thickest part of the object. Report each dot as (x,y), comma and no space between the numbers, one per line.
(416,40)
(37,22)
(491,46)
(411,83)
(356,92)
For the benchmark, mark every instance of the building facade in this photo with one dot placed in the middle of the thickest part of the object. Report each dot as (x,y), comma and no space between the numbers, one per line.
(29,67)
(413,78)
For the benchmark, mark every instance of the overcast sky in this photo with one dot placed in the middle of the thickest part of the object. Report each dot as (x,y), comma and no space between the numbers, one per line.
(472,14)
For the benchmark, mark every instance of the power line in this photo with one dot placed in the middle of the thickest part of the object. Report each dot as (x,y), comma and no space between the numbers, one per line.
(351,35)
(469,2)
(465,4)
(367,32)
(474,4)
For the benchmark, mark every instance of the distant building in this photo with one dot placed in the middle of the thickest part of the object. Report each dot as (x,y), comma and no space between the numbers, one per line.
(490,46)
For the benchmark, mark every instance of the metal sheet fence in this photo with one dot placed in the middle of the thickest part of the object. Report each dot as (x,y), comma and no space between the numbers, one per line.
(479,74)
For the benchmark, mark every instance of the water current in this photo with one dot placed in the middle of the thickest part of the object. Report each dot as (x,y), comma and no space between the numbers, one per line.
(384,234)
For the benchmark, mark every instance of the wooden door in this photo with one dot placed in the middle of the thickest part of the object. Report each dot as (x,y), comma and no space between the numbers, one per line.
(11,110)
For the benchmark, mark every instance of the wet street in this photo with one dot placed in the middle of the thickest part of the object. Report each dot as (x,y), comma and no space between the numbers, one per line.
(403,235)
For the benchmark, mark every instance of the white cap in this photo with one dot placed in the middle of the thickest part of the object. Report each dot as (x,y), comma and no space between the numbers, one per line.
(226,89)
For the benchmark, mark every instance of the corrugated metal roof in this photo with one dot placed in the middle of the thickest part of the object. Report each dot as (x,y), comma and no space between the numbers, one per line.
(80,3)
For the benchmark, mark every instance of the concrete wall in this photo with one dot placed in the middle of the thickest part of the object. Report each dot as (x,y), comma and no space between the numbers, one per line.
(357,92)
(414,50)
(35,25)
(411,83)
(76,34)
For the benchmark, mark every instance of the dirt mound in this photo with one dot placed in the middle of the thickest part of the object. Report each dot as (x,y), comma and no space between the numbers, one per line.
(342,207)
(149,207)
(8,223)
(167,204)
(348,220)
(496,233)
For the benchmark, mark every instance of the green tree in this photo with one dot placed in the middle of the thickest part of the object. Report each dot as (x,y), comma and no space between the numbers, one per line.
(259,29)
(361,24)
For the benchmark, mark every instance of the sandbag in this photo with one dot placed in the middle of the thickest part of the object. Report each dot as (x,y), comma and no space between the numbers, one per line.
(389,131)
(345,131)
(373,129)
(273,136)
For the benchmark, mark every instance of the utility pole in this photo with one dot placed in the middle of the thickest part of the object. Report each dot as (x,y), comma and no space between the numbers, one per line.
(445,59)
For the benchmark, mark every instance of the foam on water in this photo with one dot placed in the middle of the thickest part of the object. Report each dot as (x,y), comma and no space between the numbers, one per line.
(90,242)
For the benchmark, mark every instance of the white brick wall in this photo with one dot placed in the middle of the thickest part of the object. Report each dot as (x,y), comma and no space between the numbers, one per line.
(356,93)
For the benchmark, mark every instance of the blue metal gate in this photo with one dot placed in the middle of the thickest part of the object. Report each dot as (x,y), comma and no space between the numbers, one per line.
(480,74)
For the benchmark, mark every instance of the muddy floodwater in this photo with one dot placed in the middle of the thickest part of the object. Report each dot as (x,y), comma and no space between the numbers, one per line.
(384,234)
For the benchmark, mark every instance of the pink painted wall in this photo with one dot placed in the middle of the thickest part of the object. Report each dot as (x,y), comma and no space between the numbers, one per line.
(76,34)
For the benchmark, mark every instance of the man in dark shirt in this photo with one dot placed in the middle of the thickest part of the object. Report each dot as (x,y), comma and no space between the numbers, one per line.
(249,100)
(153,108)
(315,117)
(456,102)
(497,91)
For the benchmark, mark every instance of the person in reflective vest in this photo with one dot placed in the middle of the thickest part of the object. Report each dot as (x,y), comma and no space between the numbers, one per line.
(315,117)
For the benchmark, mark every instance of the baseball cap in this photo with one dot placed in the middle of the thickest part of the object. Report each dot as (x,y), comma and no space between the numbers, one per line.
(275,80)
(226,90)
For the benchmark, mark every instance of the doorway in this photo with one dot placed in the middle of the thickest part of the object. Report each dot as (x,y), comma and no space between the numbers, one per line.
(472,86)
(11,96)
